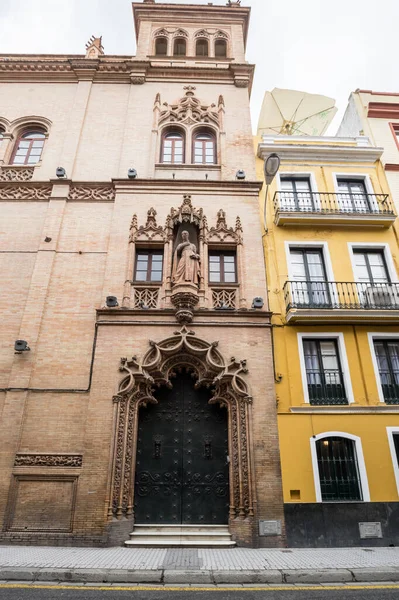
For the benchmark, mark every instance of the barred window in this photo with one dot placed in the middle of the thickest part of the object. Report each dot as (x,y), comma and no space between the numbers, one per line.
(324,372)
(387,353)
(338,469)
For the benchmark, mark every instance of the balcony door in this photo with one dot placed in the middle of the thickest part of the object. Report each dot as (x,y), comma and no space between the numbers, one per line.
(310,287)
(352,195)
(374,286)
(296,194)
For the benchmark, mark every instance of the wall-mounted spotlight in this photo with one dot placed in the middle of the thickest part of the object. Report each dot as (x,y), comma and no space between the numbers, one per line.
(257,302)
(60,172)
(132,174)
(112,301)
(21,346)
(240,175)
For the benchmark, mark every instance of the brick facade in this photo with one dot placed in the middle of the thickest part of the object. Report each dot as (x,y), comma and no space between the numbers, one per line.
(67,244)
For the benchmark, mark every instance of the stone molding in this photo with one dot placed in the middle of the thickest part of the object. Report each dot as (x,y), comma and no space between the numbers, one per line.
(92,192)
(157,368)
(16,173)
(48,460)
(189,110)
(26,192)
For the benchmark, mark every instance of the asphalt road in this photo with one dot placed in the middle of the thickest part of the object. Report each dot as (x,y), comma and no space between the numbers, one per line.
(70,593)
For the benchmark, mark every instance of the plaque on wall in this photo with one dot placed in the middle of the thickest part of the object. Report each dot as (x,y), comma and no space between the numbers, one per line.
(370,530)
(267,528)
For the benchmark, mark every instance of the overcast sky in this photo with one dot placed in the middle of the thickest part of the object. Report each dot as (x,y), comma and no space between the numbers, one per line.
(321,47)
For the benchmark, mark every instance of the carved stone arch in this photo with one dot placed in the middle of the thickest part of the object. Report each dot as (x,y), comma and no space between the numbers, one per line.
(161,33)
(180,33)
(189,110)
(228,387)
(221,35)
(5,125)
(18,125)
(202,33)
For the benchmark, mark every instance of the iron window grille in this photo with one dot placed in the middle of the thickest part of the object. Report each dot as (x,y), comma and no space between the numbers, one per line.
(387,353)
(149,265)
(338,470)
(222,267)
(324,372)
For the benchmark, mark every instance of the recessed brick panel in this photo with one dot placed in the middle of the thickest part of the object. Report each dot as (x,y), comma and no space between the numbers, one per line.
(43,504)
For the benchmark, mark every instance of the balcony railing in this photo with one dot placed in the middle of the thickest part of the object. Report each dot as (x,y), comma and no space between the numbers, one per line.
(341,295)
(333,204)
(326,387)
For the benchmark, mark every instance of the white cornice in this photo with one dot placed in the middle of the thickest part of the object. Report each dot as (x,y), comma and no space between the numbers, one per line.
(327,149)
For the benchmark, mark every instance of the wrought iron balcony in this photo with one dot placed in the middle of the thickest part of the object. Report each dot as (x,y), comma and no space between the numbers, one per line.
(326,387)
(341,300)
(339,208)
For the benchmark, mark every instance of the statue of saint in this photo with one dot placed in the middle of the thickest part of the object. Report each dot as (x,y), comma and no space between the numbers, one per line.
(186,262)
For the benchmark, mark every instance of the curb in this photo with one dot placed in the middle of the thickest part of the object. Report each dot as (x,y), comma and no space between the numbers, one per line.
(162,576)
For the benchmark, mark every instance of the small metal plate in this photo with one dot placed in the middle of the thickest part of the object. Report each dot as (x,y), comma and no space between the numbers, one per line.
(269,528)
(370,530)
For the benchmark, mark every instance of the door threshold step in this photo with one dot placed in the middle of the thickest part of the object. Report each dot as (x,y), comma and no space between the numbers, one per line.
(181,533)
(182,527)
(189,543)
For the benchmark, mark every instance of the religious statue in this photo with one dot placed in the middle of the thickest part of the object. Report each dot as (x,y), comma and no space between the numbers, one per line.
(186,262)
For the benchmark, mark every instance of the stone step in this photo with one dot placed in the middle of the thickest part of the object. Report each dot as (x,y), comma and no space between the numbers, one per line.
(210,536)
(182,528)
(164,543)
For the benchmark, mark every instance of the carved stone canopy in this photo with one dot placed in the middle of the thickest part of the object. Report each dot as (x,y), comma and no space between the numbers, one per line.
(189,110)
(224,234)
(150,232)
(158,367)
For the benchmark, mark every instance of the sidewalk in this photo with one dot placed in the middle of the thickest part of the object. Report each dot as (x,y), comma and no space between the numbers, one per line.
(202,566)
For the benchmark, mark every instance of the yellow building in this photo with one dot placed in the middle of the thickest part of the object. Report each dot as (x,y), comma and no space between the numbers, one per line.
(331,253)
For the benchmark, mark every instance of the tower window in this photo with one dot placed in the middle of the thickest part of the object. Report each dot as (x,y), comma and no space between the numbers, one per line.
(220,49)
(202,48)
(179,47)
(161,46)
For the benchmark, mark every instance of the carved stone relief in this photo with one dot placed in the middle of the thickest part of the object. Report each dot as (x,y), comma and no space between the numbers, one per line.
(189,110)
(92,192)
(15,174)
(157,368)
(26,192)
(48,460)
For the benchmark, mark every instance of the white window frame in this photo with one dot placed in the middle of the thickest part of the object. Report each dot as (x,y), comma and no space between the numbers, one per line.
(293,174)
(390,432)
(342,357)
(372,336)
(373,246)
(363,177)
(305,244)
(360,462)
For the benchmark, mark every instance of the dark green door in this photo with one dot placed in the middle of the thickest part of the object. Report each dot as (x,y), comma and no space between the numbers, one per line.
(182,473)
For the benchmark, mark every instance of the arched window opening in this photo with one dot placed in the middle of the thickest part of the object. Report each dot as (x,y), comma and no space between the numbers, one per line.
(173,148)
(338,469)
(220,49)
(161,46)
(179,47)
(202,48)
(204,151)
(28,148)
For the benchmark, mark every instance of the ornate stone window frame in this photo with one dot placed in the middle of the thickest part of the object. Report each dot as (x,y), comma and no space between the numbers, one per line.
(12,131)
(189,115)
(220,238)
(229,389)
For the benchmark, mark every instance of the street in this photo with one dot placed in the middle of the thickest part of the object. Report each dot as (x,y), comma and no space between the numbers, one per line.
(116,592)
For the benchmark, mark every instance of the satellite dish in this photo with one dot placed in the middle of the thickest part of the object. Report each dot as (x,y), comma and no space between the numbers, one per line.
(290,112)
